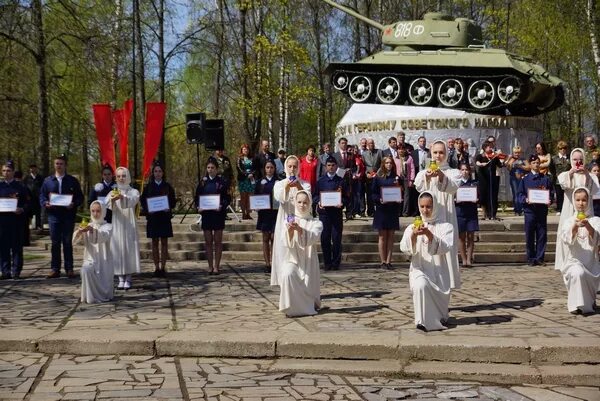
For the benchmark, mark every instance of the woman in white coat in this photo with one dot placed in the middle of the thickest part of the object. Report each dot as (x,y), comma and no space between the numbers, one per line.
(578,239)
(443,182)
(299,275)
(97,269)
(284,193)
(429,275)
(124,242)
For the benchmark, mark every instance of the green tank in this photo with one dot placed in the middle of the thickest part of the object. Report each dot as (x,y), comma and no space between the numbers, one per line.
(440,61)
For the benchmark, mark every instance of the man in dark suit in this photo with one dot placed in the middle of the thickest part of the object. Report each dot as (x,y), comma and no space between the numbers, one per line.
(262,156)
(101,190)
(372,159)
(402,142)
(61,218)
(331,216)
(33,181)
(345,160)
(421,156)
(322,166)
(392,149)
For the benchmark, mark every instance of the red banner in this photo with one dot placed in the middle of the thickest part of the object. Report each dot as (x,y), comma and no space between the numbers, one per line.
(103,123)
(155,119)
(121,119)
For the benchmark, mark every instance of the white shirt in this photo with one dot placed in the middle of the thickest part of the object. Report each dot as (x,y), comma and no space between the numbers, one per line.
(60,178)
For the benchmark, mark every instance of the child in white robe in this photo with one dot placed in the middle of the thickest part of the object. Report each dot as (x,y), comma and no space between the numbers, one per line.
(299,275)
(97,269)
(578,239)
(429,274)
(124,242)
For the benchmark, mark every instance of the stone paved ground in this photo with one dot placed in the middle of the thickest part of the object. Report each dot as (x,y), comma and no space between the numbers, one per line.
(495,301)
(38,377)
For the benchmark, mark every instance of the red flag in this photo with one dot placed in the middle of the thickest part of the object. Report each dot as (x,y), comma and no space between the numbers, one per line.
(103,123)
(121,121)
(155,119)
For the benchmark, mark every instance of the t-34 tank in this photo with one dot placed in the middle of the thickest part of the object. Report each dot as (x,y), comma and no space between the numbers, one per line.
(441,61)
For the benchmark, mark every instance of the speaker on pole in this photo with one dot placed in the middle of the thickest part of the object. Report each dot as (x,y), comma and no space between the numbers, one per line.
(214,134)
(194,127)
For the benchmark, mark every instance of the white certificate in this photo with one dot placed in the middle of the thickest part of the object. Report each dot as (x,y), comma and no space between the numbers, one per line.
(331,198)
(541,196)
(391,194)
(260,202)
(466,194)
(209,202)
(341,172)
(60,199)
(8,204)
(596,195)
(102,199)
(158,203)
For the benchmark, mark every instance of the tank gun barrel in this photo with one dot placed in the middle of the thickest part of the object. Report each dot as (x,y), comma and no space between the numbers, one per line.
(355,14)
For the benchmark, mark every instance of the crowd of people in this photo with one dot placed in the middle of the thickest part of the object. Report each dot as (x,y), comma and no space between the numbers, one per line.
(308,199)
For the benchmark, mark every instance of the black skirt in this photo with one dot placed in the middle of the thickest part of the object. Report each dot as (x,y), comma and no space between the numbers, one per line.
(159,225)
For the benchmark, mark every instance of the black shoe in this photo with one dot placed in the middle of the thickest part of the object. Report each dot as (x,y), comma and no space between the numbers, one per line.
(267,269)
(6,276)
(327,267)
(541,263)
(389,266)
(383,266)
(71,274)
(421,327)
(156,273)
(336,267)
(16,276)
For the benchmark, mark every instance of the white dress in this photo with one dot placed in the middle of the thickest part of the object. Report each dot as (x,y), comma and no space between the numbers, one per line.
(124,242)
(286,207)
(300,275)
(97,269)
(429,275)
(580,269)
(443,193)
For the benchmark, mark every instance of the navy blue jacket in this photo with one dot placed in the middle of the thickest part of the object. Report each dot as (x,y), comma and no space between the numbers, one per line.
(70,185)
(15,189)
(534,181)
(216,186)
(335,183)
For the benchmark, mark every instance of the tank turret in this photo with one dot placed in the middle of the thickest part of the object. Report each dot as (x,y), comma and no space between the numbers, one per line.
(440,61)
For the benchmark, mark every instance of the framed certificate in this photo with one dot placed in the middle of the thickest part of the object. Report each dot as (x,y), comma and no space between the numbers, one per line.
(391,194)
(466,194)
(8,204)
(331,198)
(540,196)
(60,199)
(209,202)
(260,202)
(157,204)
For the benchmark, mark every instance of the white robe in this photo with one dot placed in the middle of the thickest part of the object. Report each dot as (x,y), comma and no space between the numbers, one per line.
(443,193)
(580,269)
(429,275)
(568,184)
(97,269)
(300,275)
(286,207)
(124,241)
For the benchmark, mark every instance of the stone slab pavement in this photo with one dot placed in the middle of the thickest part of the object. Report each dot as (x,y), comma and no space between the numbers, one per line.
(42,377)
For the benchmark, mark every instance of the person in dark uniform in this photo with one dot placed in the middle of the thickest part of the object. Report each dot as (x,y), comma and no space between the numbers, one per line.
(24,217)
(386,219)
(158,226)
(536,214)
(262,156)
(102,189)
(213,221)
(11,224)
(61,218)
(466,216)
(331,216)
(488,162)
(267,217)
(33,181)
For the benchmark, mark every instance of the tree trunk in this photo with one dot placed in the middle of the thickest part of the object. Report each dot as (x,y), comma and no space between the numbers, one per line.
(116,53)
(43,140)
(220,51)
(141,74)
(322,105)
(162,155)
(356,34)
(244,46)
(591,16)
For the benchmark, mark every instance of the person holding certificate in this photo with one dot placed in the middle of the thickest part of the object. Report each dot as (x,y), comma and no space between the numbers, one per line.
(299,274)
(124,242)
(61,195)
(267,217)
(329,196)
(579,239)
(157,200)
(97,272)
(212,198)
(536,194)
(386,220)
(13,207)
(466,214)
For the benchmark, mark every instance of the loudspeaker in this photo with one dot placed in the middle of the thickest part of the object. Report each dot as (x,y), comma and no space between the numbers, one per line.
(194,127)
(214,134)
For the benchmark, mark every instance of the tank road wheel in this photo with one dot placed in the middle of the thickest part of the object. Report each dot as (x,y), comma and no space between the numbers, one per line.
(388,90)
(420,91)
(340,81)
(481,94)
(450,93)
(360,88)
(509,89)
